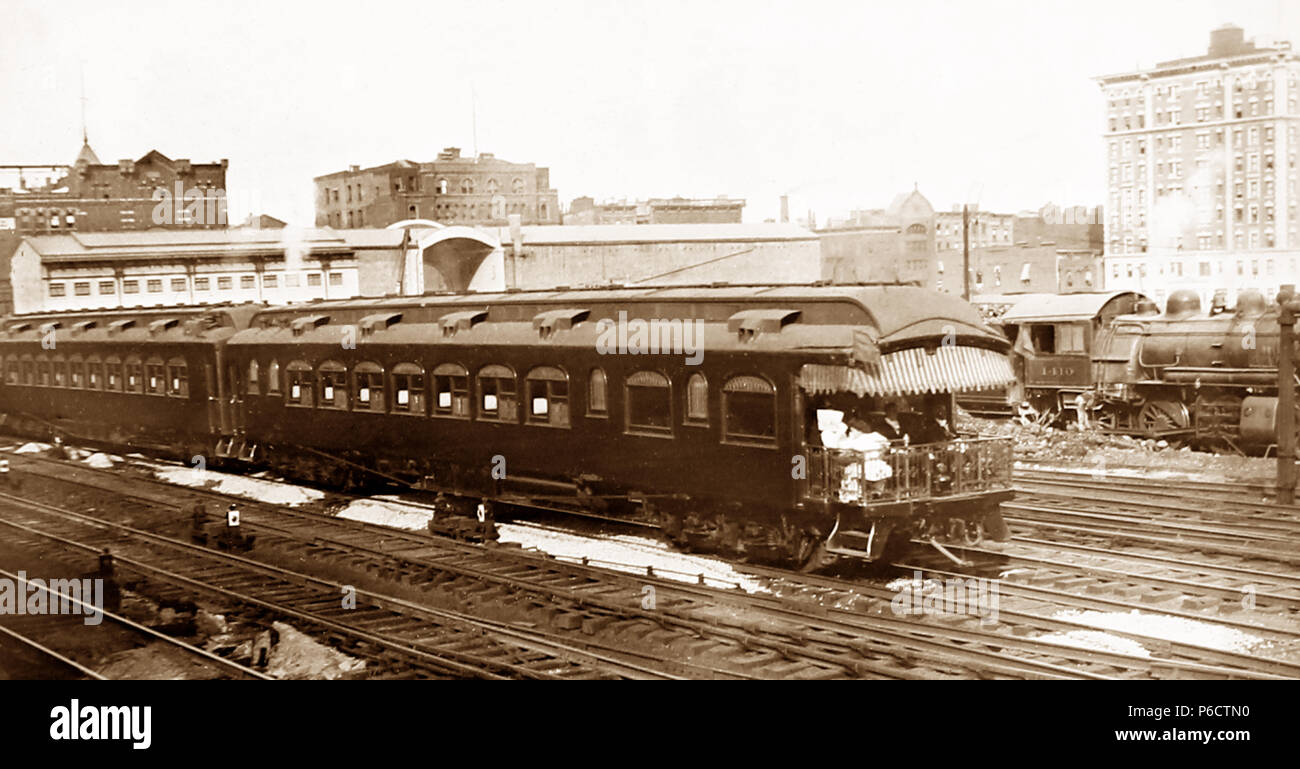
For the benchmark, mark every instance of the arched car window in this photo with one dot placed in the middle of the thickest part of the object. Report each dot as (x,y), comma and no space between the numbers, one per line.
(749,411)
(114,378)
(273,378)
(155,376)
(178,378)
(133,374)
(548,396)
(368,387)
(408,389)
(76,372)
(697,400)
(597,394)
(451,391)
(497,401)
(332,381)
(298,379)
(649,404)
(60,371)
(254,386)
(94,373)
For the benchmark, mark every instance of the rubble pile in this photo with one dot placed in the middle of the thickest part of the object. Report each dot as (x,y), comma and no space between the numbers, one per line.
(1082,450)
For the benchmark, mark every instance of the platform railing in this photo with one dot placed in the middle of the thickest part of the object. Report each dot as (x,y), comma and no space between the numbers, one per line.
(899,473)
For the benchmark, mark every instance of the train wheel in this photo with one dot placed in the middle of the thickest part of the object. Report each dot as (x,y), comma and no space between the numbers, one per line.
(818,559)
(802,549)
(1106,418)
(1157,417)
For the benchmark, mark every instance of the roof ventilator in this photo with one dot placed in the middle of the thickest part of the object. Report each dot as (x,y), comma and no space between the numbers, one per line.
(161,325)
(372,323)
(748,324)
(463,320)
(547,323)
(300,325)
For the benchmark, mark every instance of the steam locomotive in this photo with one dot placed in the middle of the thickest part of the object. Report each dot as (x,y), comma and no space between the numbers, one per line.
(1206,377)
(693,408)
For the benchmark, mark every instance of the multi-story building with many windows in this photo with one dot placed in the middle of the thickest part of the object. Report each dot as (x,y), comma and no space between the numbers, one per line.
(1201,170)
(475,191)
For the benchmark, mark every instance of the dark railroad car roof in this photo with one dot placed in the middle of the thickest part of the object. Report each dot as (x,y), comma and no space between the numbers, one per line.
(891,314)
(137,324)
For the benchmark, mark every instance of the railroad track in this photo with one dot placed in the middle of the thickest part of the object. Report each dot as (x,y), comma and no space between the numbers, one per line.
(398,635)
(1236,520)
(864,641)
(46,633)
(1043,605)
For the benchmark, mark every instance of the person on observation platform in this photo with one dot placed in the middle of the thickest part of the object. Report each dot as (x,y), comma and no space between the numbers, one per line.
(923,427)
(884,422)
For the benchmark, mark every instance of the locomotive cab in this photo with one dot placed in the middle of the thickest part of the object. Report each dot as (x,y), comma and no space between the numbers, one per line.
(1057,338)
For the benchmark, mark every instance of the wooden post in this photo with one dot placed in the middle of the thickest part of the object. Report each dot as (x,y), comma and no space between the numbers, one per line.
(1286,475)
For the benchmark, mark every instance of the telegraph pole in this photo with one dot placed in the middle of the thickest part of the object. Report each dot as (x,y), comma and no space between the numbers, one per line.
(1285,420)
(965,251)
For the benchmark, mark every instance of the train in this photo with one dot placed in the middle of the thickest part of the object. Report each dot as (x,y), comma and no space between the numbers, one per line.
(693,408)
(1205,376)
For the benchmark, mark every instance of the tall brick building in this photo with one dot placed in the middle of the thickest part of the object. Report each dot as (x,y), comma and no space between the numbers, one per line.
(1201,170)
(152,192)
(481,190)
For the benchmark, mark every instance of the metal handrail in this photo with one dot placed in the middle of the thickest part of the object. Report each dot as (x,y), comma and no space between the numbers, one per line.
(922,471)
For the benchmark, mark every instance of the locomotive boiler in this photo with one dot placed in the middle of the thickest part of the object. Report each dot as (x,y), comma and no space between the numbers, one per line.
(1184,372)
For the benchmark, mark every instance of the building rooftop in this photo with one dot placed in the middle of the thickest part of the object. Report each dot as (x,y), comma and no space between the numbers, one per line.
(234,241)
(1227,43)
(651,233)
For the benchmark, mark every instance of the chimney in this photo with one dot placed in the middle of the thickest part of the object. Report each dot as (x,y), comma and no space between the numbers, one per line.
(354,169)
(785,209)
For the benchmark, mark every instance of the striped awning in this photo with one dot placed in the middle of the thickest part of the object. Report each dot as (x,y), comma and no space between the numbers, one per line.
(913,371)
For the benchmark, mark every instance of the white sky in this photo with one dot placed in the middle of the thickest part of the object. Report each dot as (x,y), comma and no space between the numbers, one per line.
(841,104)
